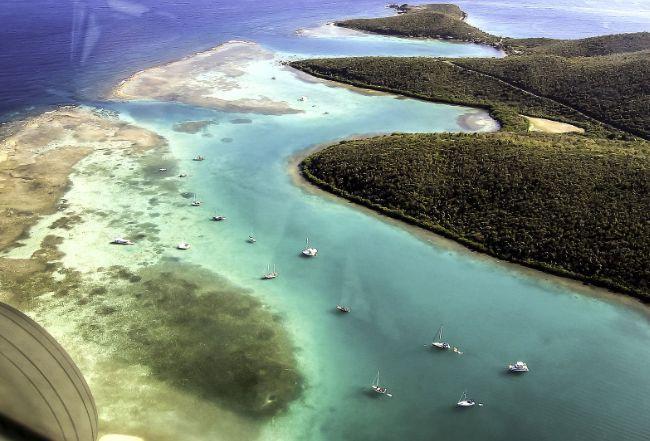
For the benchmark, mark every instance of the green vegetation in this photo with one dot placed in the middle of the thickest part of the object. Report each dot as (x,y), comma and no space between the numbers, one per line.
(614,89)
(574,205)
(569,205)
(446,81)
(428,21)
(447,21)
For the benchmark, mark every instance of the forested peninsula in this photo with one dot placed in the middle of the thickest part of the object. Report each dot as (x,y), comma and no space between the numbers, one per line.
(570,204)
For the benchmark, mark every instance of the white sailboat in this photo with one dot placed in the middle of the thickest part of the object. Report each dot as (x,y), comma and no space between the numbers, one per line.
(438,342)
(268,275)
(465,401)
(121,241)
(380,389)
(343,308)
(518,367)
(309,251)
(251,238)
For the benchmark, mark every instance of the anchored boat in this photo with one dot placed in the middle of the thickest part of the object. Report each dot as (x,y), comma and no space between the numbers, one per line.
(309,251)
(268,275)
(438,342)
(379,389)
(183,246)
(465,401)
(518,367)
(120,241)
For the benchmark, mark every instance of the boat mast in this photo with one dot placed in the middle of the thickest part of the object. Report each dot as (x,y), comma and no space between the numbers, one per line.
(439,335)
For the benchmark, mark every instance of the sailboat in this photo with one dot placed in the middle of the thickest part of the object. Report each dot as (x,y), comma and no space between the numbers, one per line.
(464,401)
(519,366)
(309,251)
(121,241)
(437,341)
(268,275)
(251,238)
(195,202)
(342,308)
(379,389)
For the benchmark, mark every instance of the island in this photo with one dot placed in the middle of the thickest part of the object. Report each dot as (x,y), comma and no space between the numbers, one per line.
(563,187)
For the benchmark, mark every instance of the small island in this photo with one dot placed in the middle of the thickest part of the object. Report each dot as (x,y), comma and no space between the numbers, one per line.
(563,187)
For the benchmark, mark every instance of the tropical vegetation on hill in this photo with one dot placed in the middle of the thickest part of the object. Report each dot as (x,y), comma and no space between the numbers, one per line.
(574,205)
(570,205)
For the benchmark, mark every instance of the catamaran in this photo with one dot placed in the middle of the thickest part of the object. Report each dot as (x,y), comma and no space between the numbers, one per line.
(195,201)
(183,246)
(438,343)
(379,389)
(309,251)
(268,275)
(465,402)
(519,366)
(120,241)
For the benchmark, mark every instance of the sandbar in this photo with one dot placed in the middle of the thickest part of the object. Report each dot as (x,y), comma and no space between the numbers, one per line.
(206,79)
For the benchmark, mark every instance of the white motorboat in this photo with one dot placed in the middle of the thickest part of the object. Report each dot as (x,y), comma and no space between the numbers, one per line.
(303,98)
(218,218)
(377,388)
(268,275)
(342,308)
(465,401)
(120,241)
(309,251)
(251,238)
(183,175)
(519,366)
(198,158)
(438,342)
(183,246)
(162,169)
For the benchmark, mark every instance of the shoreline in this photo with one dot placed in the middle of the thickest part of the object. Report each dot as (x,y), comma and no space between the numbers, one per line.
(432,238)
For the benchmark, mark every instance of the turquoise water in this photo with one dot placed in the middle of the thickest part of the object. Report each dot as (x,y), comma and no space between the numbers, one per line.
(588,356)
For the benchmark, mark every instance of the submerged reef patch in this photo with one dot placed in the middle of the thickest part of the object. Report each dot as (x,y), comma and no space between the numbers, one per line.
(199,333)
(192,127)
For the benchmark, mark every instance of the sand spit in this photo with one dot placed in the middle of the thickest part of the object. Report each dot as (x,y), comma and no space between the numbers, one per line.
(206,79)
(37,155)
(550,126)
(329,30)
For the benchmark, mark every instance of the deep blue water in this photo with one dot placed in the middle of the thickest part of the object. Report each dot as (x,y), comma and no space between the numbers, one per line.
(61,51)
